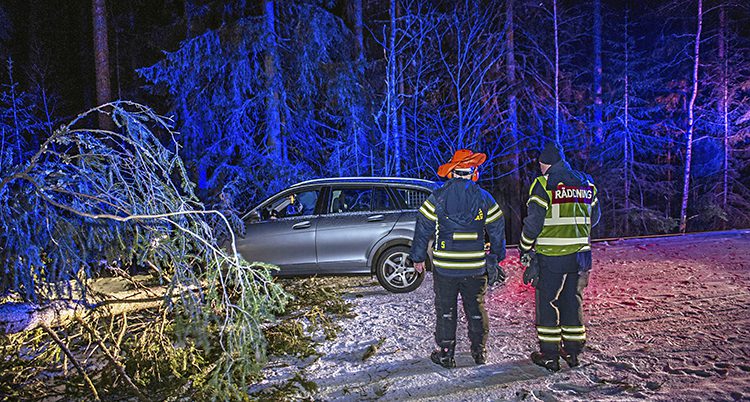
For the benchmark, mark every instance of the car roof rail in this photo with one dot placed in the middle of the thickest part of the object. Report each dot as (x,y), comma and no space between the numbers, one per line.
(366,179)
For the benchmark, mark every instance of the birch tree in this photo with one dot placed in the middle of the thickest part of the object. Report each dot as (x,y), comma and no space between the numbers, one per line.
(714,190)
(691,121)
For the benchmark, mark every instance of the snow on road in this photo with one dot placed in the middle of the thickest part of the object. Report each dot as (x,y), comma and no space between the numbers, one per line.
(667,319)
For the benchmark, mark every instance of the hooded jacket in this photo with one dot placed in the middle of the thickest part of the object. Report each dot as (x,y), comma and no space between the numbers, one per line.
(457,214)
(559,176)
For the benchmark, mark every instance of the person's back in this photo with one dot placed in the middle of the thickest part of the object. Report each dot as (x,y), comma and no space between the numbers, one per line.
(457,215)
(461,207)
(567,224)
(562,208)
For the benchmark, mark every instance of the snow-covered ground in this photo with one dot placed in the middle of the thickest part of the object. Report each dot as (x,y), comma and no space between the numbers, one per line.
(666,318)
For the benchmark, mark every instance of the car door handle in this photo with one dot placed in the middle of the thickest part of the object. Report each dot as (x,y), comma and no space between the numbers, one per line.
(375,218)
(301,225)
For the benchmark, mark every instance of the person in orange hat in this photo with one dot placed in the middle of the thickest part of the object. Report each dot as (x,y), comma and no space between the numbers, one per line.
(458,214)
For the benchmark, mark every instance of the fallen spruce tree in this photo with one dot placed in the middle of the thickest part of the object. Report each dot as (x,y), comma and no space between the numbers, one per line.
(85,209)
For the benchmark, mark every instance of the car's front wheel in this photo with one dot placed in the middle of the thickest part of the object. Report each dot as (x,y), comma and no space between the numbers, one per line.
(396,272)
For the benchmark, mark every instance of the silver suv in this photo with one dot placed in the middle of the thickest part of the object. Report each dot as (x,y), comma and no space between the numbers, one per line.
(351,225)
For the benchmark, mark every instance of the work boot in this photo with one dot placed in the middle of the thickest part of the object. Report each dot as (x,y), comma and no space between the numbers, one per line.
(479,355)
(570,358)
(550,363)
(443,357)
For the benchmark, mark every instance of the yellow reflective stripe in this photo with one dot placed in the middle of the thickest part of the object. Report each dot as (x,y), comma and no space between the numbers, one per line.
(427,204)
(465,236)
(596,199)
(429,215)
(525,247)
(458,254)
(544,338)
(561,241)
(525,239)
(578,329)
(581,220)
(585,248)
(493,217)
(542,180)
(538,200)
(567,337)
(493,209)
(548,330)
(461,265)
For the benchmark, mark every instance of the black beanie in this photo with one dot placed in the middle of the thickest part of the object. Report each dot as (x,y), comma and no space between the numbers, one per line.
(551,154)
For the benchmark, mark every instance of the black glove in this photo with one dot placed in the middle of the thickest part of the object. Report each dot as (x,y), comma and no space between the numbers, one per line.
(531,274)
(495,274)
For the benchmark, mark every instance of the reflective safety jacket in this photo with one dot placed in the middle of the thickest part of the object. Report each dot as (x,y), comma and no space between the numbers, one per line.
(562,208)
(457,214)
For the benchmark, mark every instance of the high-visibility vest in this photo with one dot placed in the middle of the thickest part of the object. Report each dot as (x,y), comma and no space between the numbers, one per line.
(567,225)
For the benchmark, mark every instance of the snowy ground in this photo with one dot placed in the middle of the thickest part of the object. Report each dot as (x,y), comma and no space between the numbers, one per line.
(667,319)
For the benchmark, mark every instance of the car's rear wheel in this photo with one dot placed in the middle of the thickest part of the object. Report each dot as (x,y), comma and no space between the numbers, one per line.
(396,272)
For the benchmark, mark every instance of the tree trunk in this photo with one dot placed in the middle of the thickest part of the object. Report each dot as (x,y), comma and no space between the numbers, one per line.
(515,199)
(401,131)
(118,298)
(417,89)
(598,71)
(691,122)
(724,106)
(557,74)
(626,140)
(360,149)
(398,114)
(391,141)
(101,59)
(273,116)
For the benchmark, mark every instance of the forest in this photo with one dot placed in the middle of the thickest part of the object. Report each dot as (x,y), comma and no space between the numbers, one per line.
(650,99)
(245,98)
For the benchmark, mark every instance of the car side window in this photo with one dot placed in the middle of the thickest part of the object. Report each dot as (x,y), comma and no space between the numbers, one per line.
(413,198)
(382,200)
(291,205)
(350,200)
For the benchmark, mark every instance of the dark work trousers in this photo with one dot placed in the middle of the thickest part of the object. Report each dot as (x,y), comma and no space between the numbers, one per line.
(559,313)
(472,290)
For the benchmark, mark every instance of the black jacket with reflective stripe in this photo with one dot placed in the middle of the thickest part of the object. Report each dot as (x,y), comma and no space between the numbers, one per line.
(457,215)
